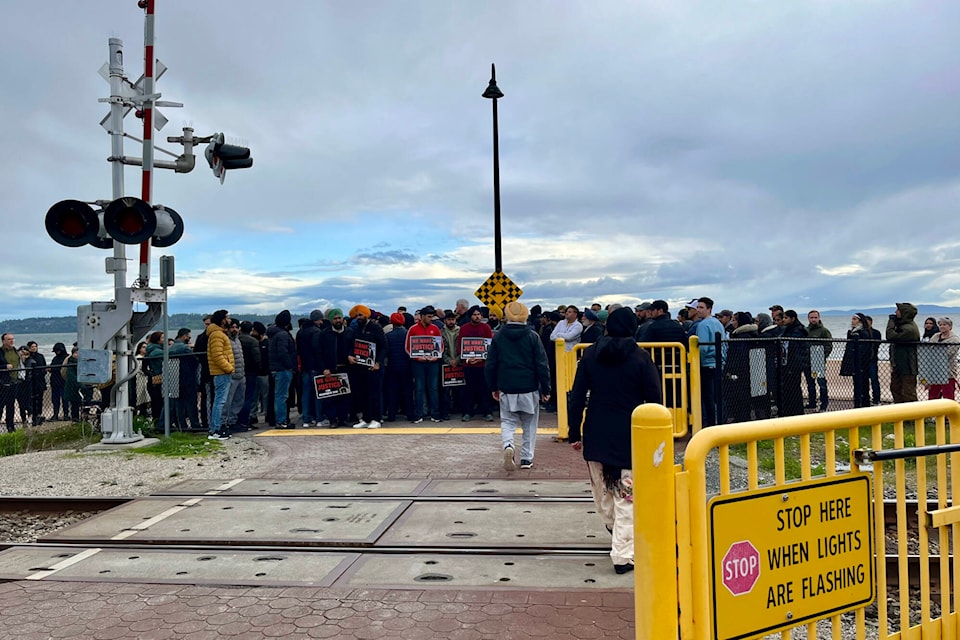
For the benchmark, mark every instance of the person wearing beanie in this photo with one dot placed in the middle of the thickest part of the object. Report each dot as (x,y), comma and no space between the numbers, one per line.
(518,376)
(336,346)
(476,396)
(310,352)
(591,327)
(283,362)
(618,376)
(57,379)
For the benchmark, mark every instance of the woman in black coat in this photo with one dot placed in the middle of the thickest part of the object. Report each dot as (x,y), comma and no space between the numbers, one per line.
(736,368)
(619,376)
(856,359)
(796,358)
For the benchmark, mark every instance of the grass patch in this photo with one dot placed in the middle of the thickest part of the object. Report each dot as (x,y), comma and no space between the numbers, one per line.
(78,435)
(792,448)
(180,445)
(29,440)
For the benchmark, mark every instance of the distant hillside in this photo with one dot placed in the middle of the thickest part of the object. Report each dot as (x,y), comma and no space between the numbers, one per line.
(881,312)
(68,324)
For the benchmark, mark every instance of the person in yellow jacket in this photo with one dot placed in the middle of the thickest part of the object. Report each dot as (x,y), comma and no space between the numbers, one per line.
(220,359)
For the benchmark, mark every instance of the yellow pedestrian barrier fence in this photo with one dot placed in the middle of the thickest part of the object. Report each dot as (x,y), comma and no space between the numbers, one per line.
(679,379)
(778,524)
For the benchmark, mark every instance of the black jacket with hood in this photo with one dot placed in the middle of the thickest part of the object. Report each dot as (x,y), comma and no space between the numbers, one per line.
(619,376)
(516,361)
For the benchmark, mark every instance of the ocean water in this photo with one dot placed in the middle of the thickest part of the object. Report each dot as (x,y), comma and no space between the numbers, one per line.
(45,341)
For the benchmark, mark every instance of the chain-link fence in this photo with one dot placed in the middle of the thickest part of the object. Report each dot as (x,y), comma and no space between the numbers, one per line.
(32,396)
(775,377)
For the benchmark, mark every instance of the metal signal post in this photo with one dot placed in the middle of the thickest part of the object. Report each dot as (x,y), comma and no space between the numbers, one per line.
(107,329)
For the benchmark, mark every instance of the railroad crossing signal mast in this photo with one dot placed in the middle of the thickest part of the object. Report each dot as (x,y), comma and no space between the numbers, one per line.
(106,330)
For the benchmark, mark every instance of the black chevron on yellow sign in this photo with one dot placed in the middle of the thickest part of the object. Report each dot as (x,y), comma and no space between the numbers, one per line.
(499,290)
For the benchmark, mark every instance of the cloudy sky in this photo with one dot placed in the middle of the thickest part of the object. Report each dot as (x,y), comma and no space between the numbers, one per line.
(801,153)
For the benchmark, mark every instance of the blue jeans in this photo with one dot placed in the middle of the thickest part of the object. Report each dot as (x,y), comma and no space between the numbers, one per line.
(426,386)
(281,387)
(249,396)
(311,405)
(221,386)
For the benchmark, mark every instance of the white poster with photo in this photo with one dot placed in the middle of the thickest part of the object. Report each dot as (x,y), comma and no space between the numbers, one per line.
(758,372)
(818,361)
(933,363)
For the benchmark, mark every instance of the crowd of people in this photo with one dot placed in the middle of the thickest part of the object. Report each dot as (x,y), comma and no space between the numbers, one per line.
(432,364)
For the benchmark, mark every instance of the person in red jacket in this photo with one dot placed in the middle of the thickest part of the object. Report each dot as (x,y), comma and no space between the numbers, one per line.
(477,399)
(425,365)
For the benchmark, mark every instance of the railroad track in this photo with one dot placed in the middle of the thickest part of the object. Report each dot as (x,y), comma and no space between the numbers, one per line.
(86,506)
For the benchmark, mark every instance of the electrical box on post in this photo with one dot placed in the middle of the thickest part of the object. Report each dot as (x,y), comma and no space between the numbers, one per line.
(167,278)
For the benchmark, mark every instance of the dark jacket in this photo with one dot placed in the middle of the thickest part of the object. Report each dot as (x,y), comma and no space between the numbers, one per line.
(905,335)
(36,373)
(619,376)
(516,361)
(250,348)
(184,360)
(283,350)
(736,366)
(856,356)
(796,352)
(662,329)
(264,346)
(666,329)
(57,378)
(337,345)
(397,358)
(591,334)
(309,347)
(200,348)
(372,332)
(153,362)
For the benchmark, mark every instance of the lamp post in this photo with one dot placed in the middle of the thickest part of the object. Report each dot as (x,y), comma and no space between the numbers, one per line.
(493,93)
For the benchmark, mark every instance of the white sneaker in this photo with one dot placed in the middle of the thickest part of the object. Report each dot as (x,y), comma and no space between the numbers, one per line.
(361,425)
(323,423)
(373,425)
(509,461)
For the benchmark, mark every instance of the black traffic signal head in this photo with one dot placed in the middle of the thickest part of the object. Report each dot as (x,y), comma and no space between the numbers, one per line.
(72,223)
(221,156)
(127,220)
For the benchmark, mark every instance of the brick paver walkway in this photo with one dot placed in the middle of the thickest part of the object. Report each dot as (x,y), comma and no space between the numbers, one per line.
(110,611)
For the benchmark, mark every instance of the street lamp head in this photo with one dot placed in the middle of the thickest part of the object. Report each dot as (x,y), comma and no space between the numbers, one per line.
(493,91)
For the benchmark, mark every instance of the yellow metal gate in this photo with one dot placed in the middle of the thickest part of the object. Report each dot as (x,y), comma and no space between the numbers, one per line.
(679,379)
(779,528)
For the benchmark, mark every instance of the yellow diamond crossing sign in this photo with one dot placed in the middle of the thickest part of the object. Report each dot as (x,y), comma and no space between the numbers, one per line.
(499,290)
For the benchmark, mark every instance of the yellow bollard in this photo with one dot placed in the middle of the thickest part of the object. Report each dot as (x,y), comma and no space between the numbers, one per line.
(654,523)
